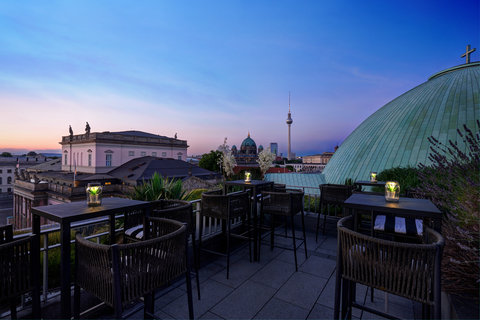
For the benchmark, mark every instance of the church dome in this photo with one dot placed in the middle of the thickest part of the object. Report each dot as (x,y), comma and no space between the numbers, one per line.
(248,142)
(396,134)
(260,148)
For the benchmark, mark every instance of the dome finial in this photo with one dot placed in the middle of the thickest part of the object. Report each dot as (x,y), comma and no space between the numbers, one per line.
(468,53)
(249,133)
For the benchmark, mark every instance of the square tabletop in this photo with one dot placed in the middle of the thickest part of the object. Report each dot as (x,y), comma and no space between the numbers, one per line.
(378,203)
(77,211)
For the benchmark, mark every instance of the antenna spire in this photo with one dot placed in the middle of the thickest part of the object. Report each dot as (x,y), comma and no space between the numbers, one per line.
(288,101)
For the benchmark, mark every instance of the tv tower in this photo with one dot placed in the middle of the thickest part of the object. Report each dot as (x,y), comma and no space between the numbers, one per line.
(289,123)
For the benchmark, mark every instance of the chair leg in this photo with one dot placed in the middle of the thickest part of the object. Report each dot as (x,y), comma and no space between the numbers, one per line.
(304,235)
(189,293)
(318,225)
(13,308)
(294,244)
(148,309)
(196,264)
(228,248)
(200,231)
(76,302)
(272,231)
(325,218)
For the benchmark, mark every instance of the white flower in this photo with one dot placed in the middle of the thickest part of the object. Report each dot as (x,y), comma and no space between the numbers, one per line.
(265,160)
(227,161)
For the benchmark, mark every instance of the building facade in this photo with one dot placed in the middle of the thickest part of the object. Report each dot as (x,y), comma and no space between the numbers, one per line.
(274,148)
(100,152)
(322,158)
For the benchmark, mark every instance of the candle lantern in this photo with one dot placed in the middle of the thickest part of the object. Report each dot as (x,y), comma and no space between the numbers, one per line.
(248,176)
(373,177)
(392,191)
(94,194)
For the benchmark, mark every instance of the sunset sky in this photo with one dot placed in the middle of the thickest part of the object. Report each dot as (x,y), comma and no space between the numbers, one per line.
(213,69)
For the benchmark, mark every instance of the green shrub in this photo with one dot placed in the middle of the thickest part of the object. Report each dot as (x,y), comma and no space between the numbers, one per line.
(406,177)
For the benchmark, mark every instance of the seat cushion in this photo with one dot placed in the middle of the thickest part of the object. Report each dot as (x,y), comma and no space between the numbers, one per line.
(135,232)
(401,225)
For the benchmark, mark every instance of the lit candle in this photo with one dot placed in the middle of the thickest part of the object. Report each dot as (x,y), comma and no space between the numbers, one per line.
(392,191)
(247,176)
(373,177)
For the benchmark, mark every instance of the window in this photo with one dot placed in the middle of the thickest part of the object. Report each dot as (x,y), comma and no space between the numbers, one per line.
(164,154)
(179,157)
(65,159)
(9,180)
(154,154)
(9,190)
(89,159)
(131,153)
(108,158)
(143,153)
(9,171)
(0,180)
(1,171)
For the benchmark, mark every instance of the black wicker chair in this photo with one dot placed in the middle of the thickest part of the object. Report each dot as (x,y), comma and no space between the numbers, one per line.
(17,272)
(170,209)
(284,204)
(122,273)
(331,195)
(404,269)
(226,208)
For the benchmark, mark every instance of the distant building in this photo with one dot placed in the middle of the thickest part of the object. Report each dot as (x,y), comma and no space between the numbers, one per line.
(322,158)
(274,148)
(8,165)
(100,152)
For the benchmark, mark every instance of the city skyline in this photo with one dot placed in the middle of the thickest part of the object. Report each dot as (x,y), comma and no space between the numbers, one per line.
(218,69)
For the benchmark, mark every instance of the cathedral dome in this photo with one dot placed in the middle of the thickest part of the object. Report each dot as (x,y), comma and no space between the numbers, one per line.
(260,148)
(248,142)
(396,134)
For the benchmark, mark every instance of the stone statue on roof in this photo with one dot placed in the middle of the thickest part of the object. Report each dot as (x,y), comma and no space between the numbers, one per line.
(175,135)
(71,132)
(87,129)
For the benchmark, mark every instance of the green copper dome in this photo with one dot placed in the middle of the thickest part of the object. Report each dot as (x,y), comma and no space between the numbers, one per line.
(396,134)
(248,142)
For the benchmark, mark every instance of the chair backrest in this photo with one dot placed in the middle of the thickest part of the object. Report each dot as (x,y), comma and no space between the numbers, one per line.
(223,206)
(335,193)
(289,202)
(404,269)
(6,233)
(16,269)
(174,209)
(138,268)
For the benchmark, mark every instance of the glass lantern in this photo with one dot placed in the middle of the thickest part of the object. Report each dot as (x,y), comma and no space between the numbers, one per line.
(373,177)
(392,191)
(94,194)
(248,176)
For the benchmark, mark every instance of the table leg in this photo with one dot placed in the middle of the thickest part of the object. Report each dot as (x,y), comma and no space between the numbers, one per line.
(36,267)
(65,268)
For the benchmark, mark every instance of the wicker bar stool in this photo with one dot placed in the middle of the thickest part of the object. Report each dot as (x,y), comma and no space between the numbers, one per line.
(404,269)
(17,272)
(170,209)
(331,195)
(284,204)
(122,273)
(226,208)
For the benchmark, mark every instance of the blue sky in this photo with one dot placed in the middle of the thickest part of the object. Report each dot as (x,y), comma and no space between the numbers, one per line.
(214,69)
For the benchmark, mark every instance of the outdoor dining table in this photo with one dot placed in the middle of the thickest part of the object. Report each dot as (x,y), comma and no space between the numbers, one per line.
(67,213)
(363,203)
(256,186)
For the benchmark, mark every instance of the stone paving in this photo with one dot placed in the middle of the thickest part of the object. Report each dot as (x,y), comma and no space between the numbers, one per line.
(271,289)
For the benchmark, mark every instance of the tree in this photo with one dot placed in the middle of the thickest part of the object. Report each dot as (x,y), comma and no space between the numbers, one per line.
(210,161)
(6,154)
(32,154)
